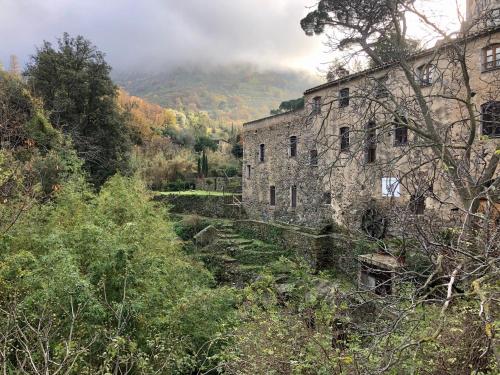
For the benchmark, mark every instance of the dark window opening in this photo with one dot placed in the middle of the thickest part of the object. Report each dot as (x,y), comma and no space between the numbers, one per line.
(293,196)
(381,90)
(371,142)
(316,105)
(344,97)
(491,57)
(376,280)
(262,150)
(400,131)
(249,171)
(327,198)
(313,158)
(417,204)
(344,138)
(425,74)
(490,118)
(272,196)
(293,146)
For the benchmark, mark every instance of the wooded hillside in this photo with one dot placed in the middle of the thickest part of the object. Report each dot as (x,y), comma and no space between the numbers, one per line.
(234,93)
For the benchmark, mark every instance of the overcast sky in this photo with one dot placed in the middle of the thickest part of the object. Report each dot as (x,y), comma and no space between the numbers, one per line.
(157,33)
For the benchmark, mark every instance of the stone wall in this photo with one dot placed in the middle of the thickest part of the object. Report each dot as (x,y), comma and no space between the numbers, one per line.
(216,206)
(320,251)
(282,170)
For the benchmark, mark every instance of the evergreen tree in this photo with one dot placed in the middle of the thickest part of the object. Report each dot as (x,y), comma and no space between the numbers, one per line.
(74,82)
(205,165)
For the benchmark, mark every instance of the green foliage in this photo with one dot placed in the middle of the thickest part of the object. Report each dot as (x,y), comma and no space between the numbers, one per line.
(203,143)
(109,268)
(277,334)
(390,49)
(289,105)
(74,83)
(237,148)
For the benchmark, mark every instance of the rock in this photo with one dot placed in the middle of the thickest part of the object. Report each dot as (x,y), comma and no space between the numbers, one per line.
(206,236)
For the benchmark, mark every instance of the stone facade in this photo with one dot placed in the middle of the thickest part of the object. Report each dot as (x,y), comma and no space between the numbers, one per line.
(283,172)
(296,169)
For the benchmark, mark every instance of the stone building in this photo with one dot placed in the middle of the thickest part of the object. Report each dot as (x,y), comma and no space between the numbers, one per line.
(354,145)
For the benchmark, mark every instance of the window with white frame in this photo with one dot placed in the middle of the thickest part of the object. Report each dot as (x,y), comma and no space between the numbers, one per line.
(344,97)
(390,187)
(425,74)
(491,57)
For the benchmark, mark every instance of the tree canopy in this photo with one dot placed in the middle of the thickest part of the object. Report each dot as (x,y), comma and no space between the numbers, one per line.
(74,83)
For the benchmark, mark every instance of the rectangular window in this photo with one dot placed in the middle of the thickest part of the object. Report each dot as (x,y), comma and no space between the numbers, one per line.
(425,74)
(262,149)
(316,105)
(371,142)
(417,204)
(381,90)
(249,171)
(293,196)
(344,138)
(272,196)
(313,154)
(293,146)
(390,187)
(490,118)
(344,97)
(400,131)
(491,57)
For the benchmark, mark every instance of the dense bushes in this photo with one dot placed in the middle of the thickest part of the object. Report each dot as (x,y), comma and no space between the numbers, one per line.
(102,277)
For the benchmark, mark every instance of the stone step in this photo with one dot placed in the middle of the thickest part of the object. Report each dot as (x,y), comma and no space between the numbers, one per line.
(229,235)
(257,257)
(235,241)
(223,258)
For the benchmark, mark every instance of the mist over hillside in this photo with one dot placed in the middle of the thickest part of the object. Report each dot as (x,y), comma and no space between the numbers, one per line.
(235,93)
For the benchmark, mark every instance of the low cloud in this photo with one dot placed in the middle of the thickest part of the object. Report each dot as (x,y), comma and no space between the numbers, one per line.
(153,34)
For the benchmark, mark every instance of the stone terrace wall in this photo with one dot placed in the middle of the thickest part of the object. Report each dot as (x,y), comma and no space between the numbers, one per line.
(320,251)
(216,206)
(228,184)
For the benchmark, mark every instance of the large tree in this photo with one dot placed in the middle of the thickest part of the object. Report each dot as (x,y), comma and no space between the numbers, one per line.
(74,82)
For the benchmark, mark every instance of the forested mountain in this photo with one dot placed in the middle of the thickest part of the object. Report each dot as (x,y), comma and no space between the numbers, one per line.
(230,93)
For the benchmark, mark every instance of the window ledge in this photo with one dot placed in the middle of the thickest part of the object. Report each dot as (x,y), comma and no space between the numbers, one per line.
(487,70)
